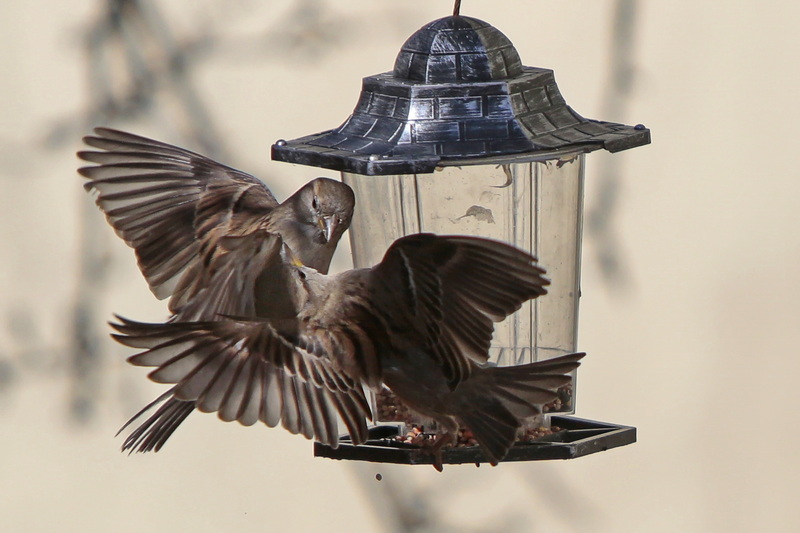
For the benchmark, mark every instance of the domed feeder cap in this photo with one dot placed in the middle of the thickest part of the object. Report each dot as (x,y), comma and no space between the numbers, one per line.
(458,91)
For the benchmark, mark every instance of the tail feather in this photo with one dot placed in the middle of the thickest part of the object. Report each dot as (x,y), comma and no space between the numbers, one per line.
(495,428)
(557,365)
(495,401)
(525,388)
(525,403)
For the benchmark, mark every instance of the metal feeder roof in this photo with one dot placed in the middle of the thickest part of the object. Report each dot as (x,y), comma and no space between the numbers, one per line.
(458,91)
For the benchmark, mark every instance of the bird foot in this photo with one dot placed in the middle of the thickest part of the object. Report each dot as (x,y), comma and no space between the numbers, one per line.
(435,447)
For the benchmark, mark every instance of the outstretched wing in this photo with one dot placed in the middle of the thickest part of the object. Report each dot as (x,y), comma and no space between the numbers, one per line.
(153,433)
(456,287)
(169,204)
(244,371)
(226,286)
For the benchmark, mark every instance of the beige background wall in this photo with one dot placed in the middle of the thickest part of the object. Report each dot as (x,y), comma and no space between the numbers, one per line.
(695,342)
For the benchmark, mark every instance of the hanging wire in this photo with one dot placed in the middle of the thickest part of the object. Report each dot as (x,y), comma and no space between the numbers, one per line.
(457,8)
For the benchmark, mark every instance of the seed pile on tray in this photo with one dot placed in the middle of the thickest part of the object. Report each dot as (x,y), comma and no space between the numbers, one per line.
(390,409)
(562,403)
(416,435)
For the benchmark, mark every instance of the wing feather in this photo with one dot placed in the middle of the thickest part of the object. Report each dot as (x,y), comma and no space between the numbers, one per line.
(153,195)
(240,369)
(455,287)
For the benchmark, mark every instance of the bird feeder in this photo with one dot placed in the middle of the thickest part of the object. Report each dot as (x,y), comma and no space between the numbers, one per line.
(461,138)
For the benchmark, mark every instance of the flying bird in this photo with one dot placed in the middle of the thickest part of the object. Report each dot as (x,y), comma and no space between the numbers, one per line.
(420,322)
(177,209)
(173,206)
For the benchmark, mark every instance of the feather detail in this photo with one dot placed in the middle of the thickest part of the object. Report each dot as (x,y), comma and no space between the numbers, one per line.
(243,371)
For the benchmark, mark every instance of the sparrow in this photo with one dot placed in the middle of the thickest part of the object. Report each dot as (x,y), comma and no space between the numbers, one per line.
(420,323)
(177,209)
(172,206)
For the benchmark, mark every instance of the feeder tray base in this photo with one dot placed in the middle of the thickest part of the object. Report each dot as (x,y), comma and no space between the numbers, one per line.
(578,437)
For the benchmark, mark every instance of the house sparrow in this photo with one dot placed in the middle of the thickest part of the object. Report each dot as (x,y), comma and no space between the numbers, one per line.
(172,206)
(176,209)
(420,323)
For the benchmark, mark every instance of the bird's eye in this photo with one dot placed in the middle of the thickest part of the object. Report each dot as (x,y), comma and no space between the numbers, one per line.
(301,274)
(314,203)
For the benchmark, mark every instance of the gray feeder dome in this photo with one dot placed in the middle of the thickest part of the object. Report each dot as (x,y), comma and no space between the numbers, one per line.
(458,91)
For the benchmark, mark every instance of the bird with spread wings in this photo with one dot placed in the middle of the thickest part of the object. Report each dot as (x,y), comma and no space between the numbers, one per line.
(177,208)
(260,332)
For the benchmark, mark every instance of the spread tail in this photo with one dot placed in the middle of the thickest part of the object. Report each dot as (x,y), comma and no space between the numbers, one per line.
(495,401)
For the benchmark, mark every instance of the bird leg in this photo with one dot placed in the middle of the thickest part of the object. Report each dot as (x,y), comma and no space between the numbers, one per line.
(435,447)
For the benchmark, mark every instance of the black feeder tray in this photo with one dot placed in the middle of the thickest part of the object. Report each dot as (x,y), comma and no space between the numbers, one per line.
(577,437)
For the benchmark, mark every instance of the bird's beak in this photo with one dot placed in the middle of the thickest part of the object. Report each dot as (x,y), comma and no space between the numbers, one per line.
(328,226)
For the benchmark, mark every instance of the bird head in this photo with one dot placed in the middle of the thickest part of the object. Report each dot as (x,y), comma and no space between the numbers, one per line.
(313,219)
(328,208)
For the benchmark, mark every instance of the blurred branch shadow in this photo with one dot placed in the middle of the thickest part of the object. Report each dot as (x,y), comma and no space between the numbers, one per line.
(405,505)
(132,58)
(601,214)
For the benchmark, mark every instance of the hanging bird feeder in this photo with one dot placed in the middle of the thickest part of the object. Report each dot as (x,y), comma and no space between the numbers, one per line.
(461,138)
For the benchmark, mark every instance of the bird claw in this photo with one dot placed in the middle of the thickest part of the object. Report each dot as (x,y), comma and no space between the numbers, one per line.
(435,448)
